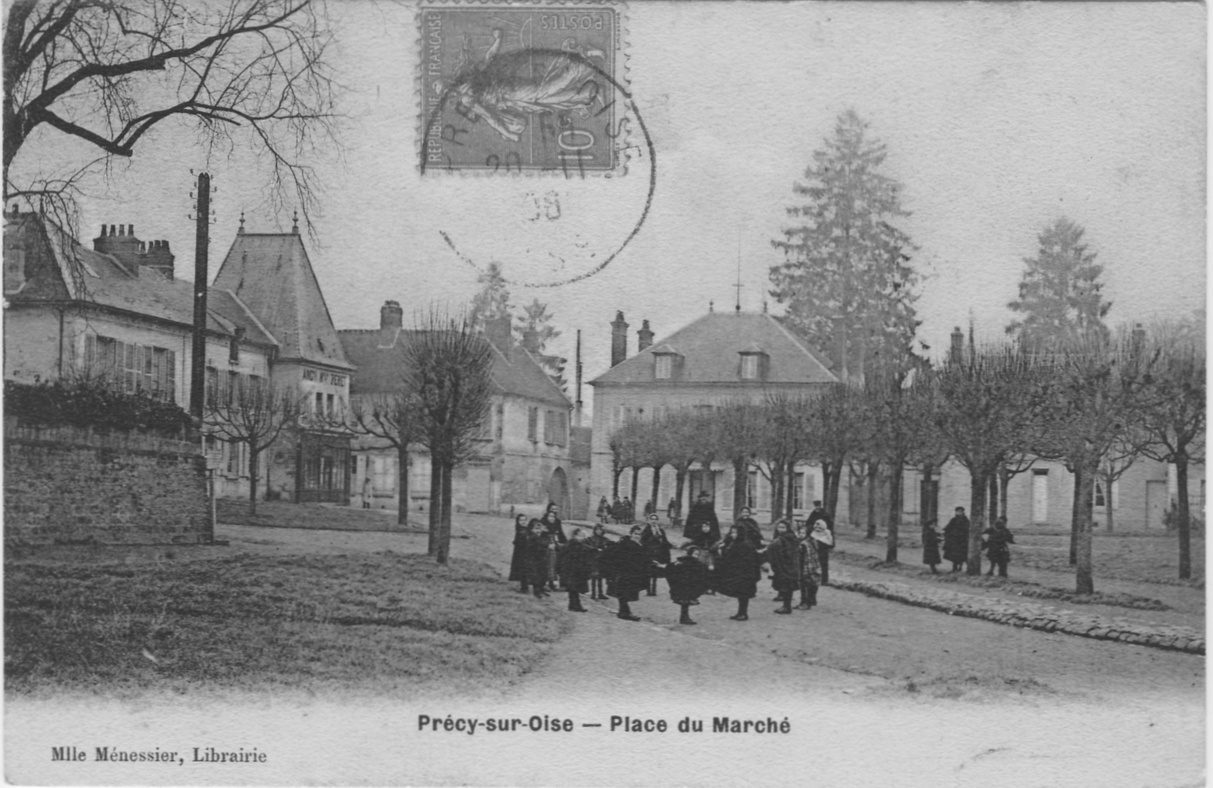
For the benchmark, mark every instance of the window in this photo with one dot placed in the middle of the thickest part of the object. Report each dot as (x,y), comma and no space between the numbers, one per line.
(798,491)
(383,476)
(664,367)
(555,427)
(532,423)
(319,404)
(1100,497)
(749,367)
(212,385)
(328,405)
(751,490)
(133,368)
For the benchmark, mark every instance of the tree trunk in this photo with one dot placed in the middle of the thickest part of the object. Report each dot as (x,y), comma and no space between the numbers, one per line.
(253,454)
(979,482)
(740,480)
(896,472)
(680,477)
(1075,516)
(1107,500)
(402,484)
(791,492)
(435,504)
(636,486)
(833,482)
(615,483)
(873,472)
(1004,481)
(657,487)
(992,504)
(1083,494)
(777,492)
(1185,523)
(444,530)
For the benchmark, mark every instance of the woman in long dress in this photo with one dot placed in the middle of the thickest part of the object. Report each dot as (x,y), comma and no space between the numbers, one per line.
(518,560)
(737,572)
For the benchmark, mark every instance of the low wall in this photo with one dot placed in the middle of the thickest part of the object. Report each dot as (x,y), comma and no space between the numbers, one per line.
(68,486)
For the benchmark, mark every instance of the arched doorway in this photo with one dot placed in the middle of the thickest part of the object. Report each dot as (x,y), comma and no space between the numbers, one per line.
(558,491)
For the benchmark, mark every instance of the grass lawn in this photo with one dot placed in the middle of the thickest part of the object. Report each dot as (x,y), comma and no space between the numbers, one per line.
(279,514)
(377,624)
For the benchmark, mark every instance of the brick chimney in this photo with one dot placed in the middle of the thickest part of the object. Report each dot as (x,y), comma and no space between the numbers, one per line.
(645,336)
(498,330)
(391,316)
(619,339)
(956,352)
(121,243)
(158,257)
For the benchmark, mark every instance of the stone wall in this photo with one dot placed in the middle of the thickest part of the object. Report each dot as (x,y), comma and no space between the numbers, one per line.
(68,486)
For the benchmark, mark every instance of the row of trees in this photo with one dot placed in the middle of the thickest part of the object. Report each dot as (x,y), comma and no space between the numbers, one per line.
(1095,402)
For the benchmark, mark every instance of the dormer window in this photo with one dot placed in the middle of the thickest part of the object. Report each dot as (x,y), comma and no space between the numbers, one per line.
(754,363)
(667,362)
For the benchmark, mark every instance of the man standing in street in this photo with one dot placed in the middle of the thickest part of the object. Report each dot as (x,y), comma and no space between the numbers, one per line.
(956,540)
(819,514)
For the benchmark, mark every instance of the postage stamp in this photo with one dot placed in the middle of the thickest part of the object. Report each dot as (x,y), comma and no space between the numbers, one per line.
(521,89)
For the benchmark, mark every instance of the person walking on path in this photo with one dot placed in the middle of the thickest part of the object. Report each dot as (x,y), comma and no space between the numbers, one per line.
(808,567)
(576,563)
(626,568)
(617,510)
(537,560)
(673,511)
(688,579)
(737,572)
(956,540)
(823,542)
(519,572)
(629,510)
(597,542)
(930,546)
(649,508)
(604,510)
(783,556)
(749,528)
(820,515)
(657,547)
(702,529)
(554,531)
(997,540)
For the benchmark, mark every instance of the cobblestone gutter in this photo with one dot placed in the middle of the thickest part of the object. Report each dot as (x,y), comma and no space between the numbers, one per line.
(1018,613)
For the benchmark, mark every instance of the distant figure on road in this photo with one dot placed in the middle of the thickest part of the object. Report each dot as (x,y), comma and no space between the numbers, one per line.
(956,540)
(649,508)
(518,560)
(930,546)
(617,510)
(597,542)
(688,579)
(737,572)
(820,515)
(673,511)
(702,529)
(629,510)
(576,563)
(627,571)
(538,561)
(783,556)
(604,510)
(997,540)
(808,566)
(657,547)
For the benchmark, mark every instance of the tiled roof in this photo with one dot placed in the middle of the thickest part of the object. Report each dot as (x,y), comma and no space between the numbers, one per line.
(710,346)
(271,274)
(379,357)
(101,279)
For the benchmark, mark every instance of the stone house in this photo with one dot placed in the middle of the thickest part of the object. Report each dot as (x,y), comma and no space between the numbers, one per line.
(719,358)
(524,460)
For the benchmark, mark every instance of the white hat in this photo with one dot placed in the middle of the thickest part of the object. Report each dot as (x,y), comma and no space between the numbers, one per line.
(822,534)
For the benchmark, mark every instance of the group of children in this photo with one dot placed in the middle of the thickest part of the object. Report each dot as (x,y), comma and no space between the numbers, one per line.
(996,541)
(544,558)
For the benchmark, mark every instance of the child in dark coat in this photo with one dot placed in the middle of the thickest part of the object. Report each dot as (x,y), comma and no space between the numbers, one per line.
(688,580)
(598,543)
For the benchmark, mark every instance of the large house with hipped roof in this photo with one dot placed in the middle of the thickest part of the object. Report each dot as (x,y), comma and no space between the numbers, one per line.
(523,461)
(722,357)
(116,310)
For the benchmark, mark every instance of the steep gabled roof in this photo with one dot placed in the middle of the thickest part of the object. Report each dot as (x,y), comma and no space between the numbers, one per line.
(271,274)
(380,356)
(62,268)
(709,348)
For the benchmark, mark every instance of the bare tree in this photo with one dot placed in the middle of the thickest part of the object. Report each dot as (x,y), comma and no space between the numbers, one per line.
(105,74)
(391,417)
(254,412)
(448,369)
(1172,411)
(832,436)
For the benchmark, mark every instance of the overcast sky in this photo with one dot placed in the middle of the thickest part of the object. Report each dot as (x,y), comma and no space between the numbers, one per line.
(998,119)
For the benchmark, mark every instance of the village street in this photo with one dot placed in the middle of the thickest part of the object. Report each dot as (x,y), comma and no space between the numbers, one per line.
(874,690)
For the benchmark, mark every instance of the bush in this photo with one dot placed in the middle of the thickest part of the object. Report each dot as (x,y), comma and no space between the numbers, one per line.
(93,404)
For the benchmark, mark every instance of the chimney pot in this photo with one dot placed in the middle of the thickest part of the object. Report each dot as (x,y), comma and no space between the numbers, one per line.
(130,229)
(619,339)
(102,230)
(113,230)
(391,316)
(645,335)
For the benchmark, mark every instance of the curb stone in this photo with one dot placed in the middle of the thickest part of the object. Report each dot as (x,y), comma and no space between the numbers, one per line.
(1032,616)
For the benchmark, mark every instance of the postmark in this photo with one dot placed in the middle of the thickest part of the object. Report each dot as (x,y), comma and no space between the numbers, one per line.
(522,89)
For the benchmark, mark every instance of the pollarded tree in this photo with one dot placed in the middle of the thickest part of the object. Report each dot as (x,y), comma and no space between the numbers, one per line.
(393,418)
(986,405)
(832,434)
(252,411)
(1172,414)
(448,370)
(89,82)
(740,439)
(846,278)
(1059,294)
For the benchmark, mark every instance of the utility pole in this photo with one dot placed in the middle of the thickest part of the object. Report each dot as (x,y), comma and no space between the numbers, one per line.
(202,217)
(577,409)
